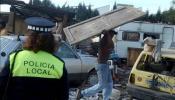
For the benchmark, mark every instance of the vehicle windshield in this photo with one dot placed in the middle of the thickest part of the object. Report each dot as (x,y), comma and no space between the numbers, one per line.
(165,66)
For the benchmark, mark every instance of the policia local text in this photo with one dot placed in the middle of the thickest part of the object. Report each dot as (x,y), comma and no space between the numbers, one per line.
(38,67)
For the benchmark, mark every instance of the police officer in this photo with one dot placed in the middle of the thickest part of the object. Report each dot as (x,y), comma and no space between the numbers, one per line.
(34,73)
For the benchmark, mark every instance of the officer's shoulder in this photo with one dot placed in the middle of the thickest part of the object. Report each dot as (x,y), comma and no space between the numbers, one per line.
(58,58)
(16,51)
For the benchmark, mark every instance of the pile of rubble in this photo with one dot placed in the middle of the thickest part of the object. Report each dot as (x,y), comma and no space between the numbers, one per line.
(119,89)
(98,96)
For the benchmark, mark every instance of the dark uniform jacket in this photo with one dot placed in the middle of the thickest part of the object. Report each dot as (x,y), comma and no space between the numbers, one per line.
(33,88)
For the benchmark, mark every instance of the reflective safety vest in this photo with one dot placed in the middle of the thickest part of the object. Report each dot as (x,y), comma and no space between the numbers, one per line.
(40,64)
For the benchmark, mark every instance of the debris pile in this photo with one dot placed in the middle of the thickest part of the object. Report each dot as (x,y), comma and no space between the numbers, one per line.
(119,90)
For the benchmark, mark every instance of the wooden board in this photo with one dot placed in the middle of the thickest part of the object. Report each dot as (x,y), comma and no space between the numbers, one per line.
(94,26)
(133,54)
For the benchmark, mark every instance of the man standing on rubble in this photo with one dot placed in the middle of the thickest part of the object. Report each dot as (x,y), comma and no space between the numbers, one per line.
(35,73)
(105,82)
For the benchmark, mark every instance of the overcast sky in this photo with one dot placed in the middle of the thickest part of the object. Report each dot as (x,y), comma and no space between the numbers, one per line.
(151,5)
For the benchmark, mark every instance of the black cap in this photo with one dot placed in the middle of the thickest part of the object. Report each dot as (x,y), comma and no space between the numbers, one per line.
(110,31)
(114,32)
(39,24)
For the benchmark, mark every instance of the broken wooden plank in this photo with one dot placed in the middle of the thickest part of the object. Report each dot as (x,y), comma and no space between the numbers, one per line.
(94,26)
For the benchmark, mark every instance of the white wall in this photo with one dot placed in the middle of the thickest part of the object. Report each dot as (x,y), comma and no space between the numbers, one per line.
(121,46)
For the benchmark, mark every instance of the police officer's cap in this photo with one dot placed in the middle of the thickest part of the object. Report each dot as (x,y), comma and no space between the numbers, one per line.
(39,24)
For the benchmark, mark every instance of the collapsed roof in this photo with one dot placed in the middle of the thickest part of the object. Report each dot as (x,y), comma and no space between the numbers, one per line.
(28,10)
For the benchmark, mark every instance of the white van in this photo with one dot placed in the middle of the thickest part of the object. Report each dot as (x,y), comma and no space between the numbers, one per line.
(132,35)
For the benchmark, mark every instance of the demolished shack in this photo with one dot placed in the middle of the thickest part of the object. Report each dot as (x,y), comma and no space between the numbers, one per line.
(20,10)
